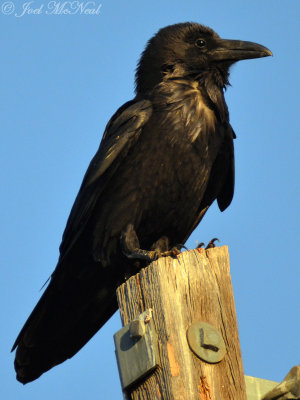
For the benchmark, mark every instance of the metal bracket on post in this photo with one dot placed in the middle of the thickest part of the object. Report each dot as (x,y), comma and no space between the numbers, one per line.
(136,349)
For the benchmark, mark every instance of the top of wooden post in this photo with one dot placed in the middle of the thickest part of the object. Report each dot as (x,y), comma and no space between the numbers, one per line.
(195,286)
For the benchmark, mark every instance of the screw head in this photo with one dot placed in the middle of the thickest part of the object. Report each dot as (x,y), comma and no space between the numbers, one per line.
(206,342)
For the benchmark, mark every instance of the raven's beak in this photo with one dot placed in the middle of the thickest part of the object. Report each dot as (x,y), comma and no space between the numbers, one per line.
(235,50)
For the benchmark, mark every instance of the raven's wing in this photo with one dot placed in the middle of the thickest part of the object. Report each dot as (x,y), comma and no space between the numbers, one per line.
(121,132)
(79,298)
(226,194)
(219,188)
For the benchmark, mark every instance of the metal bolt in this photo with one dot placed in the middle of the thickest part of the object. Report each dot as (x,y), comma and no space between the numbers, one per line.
(209,339)
(206,342)
(137,329)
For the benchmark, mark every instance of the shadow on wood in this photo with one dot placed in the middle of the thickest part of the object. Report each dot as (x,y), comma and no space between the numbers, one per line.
(195,286)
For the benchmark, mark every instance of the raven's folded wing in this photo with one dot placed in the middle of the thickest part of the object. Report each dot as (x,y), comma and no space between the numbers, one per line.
(121,132)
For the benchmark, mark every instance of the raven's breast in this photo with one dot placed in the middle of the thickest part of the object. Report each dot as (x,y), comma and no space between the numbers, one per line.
(160,185)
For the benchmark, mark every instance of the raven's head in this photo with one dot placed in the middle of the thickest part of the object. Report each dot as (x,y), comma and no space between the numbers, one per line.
(191,50)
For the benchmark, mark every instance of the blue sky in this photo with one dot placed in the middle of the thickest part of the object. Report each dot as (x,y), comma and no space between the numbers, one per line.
(62,77)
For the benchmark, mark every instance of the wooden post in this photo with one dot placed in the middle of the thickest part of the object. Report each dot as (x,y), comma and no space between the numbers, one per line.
(195,286)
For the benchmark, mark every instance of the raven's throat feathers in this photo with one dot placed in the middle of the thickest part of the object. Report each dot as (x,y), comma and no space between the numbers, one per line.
(186,99)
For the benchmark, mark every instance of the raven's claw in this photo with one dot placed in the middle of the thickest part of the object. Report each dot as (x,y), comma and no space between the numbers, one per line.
(211,244)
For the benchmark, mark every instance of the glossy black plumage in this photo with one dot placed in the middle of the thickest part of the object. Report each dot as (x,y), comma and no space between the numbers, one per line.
(164,158)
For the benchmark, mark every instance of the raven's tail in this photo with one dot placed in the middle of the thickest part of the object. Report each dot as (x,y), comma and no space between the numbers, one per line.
(65,318)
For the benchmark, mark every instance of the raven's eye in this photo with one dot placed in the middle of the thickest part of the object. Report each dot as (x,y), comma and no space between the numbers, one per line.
(200,43)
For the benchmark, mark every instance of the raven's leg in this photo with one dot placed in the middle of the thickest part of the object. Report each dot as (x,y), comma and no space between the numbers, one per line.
(162,248)
(131,247)
(161,245)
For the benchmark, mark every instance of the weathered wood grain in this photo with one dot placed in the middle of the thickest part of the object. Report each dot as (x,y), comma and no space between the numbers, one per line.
(194,287)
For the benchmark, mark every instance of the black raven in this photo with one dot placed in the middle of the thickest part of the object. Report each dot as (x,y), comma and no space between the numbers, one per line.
(165,156)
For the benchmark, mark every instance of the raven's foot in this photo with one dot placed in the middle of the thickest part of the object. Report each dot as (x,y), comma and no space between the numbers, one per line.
(210,245)
(139,254)
(162,248)
(131,247)
(171,253)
